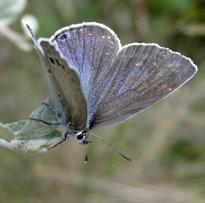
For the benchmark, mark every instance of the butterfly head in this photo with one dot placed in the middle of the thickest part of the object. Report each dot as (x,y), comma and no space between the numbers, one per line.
(82,137)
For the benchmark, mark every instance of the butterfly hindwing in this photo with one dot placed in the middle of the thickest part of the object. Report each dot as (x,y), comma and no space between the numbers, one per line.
(146,73)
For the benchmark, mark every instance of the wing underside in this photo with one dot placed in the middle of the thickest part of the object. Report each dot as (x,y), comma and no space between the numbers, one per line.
(66,91)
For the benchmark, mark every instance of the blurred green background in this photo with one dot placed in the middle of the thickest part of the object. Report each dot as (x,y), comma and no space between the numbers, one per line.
(166,142)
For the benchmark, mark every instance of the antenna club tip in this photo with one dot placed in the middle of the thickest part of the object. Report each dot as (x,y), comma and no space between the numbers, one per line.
(25,23)
(125,157)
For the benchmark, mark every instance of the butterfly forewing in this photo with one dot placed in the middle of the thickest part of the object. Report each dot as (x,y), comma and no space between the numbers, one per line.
(66,88)
(90,48)
(145,74)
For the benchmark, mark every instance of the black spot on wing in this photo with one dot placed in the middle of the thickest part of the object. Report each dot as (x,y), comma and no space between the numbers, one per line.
(57,61)
(52,60)
(63,36)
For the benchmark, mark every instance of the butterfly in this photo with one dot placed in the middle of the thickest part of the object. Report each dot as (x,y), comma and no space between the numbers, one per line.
(95,82)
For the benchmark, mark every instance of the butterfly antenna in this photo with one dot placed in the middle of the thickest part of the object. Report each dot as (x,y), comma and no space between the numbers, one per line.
(112,147)
(33,37)
(30,32)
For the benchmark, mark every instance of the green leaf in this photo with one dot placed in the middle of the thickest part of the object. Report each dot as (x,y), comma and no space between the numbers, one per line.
(32,135)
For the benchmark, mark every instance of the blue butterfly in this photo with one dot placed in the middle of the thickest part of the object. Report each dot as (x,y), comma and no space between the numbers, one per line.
(94,81)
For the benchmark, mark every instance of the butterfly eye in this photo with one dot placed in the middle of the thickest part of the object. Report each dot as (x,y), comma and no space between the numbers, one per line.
(80,136)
